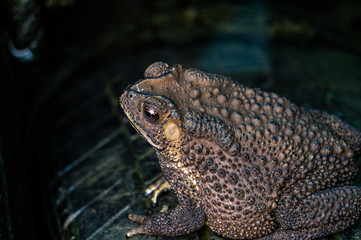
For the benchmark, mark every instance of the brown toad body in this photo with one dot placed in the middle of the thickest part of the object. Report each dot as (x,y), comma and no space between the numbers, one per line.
(247,163)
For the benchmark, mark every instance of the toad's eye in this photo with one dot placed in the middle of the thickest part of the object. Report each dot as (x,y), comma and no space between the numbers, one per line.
(150,114)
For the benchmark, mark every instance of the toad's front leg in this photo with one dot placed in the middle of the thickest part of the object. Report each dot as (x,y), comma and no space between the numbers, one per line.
(187,217)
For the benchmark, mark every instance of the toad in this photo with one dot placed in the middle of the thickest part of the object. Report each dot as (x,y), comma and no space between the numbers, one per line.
(248,163)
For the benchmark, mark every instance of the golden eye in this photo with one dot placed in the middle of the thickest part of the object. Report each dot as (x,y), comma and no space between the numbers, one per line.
(151,114)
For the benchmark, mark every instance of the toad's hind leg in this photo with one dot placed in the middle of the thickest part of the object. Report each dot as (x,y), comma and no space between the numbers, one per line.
(319,214)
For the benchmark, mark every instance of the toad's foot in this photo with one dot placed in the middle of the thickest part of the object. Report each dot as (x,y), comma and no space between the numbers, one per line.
(160,186)
(178,221)
(187,217)
(139,229)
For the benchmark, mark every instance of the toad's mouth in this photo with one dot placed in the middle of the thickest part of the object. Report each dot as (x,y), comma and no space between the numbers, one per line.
(146,135)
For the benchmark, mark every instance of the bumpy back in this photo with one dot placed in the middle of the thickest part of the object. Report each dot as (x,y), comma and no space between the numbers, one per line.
(251,113)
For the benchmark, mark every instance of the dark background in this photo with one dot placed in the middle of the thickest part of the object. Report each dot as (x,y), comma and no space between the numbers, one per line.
(71,167)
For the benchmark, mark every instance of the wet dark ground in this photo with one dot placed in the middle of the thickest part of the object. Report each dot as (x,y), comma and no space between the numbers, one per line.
(71,165)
